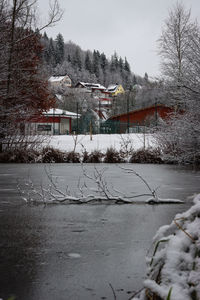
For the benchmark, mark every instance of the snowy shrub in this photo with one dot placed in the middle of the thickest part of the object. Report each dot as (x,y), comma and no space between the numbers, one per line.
(126,145)
(112,156)
(85,157)
(174,267)
(19,156)
(72,157)
(95,157)
(51,155)
(146,156)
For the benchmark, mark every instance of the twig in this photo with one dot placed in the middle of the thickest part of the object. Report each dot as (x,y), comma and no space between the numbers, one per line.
(153,192)
(181,228)
(114,294)
(136,293)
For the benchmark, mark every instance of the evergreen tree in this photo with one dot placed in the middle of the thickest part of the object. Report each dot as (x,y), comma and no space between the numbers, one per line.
(69,58)
(112,65)
(134,80)
(115,59)
(59,50)
(146,78)
(45,37)
(87,66)
(127,66)
(103,62)
(51,53)
(96,63)
(76,61)
(121,64)
(88,63)
(45,43)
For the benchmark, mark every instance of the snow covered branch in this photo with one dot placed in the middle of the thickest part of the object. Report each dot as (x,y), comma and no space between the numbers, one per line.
(91,188)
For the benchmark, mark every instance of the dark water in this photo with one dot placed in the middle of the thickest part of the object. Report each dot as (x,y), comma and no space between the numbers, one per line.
(77,251)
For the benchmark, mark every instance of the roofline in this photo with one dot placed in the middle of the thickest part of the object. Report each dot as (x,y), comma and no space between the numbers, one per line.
(62,115)
(139,109)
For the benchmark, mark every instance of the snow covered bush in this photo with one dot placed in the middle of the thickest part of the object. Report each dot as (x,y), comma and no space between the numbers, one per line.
(113,156)
(72,157)
(19,156)
(174,268)
(146,156)
(95,157)
(51,155)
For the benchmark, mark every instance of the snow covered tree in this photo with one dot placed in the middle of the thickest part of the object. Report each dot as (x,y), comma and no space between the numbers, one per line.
(115,59)
(113,64)
(88,62)
(77,62)
(59,49)
(103,62)
(127,66)
(146,78)
(96,63)
(174,42)
(180,49)
(121,65)
(88,66)
(50,54)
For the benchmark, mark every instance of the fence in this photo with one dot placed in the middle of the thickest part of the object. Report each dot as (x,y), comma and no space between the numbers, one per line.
(121,127)
(107,127)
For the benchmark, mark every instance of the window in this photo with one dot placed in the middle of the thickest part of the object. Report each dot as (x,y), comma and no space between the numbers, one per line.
(44,127)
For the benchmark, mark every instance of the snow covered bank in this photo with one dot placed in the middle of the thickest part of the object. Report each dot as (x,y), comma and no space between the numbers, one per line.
(174,267)
(101,142)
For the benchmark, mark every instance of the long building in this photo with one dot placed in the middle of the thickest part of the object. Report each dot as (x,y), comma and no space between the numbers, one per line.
(142,117)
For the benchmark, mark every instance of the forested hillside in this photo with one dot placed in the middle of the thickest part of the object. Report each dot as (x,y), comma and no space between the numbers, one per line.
(62,57)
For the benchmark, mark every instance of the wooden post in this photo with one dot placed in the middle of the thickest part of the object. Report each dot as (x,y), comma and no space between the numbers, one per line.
(90,130)
(144,137)
(77,129)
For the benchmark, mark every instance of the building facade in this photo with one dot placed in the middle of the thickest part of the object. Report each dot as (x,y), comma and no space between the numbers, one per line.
(60,81)
(133,120)
(53,122)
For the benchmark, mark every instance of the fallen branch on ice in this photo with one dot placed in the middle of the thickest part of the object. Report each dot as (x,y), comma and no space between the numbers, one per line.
(91,188)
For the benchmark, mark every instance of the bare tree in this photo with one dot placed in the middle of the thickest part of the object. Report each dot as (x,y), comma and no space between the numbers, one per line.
(180,49)
(174,42)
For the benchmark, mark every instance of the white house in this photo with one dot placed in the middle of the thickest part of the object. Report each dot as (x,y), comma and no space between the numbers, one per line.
(60,81)
(54,121)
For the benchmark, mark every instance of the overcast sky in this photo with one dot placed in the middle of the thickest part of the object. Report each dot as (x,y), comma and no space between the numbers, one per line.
(129,27)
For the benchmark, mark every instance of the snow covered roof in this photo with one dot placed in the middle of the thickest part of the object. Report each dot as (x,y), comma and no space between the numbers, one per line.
(92,85)
(105,114)
(59,97)
(60,112)
(56,78)
(112,87)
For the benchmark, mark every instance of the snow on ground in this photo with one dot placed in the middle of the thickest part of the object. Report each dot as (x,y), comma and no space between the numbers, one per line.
(174,267)
(101,142)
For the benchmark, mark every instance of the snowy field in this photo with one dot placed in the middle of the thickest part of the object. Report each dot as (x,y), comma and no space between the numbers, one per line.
(101,142)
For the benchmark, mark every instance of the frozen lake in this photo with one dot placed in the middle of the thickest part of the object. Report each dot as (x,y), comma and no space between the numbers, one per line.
(77,251)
